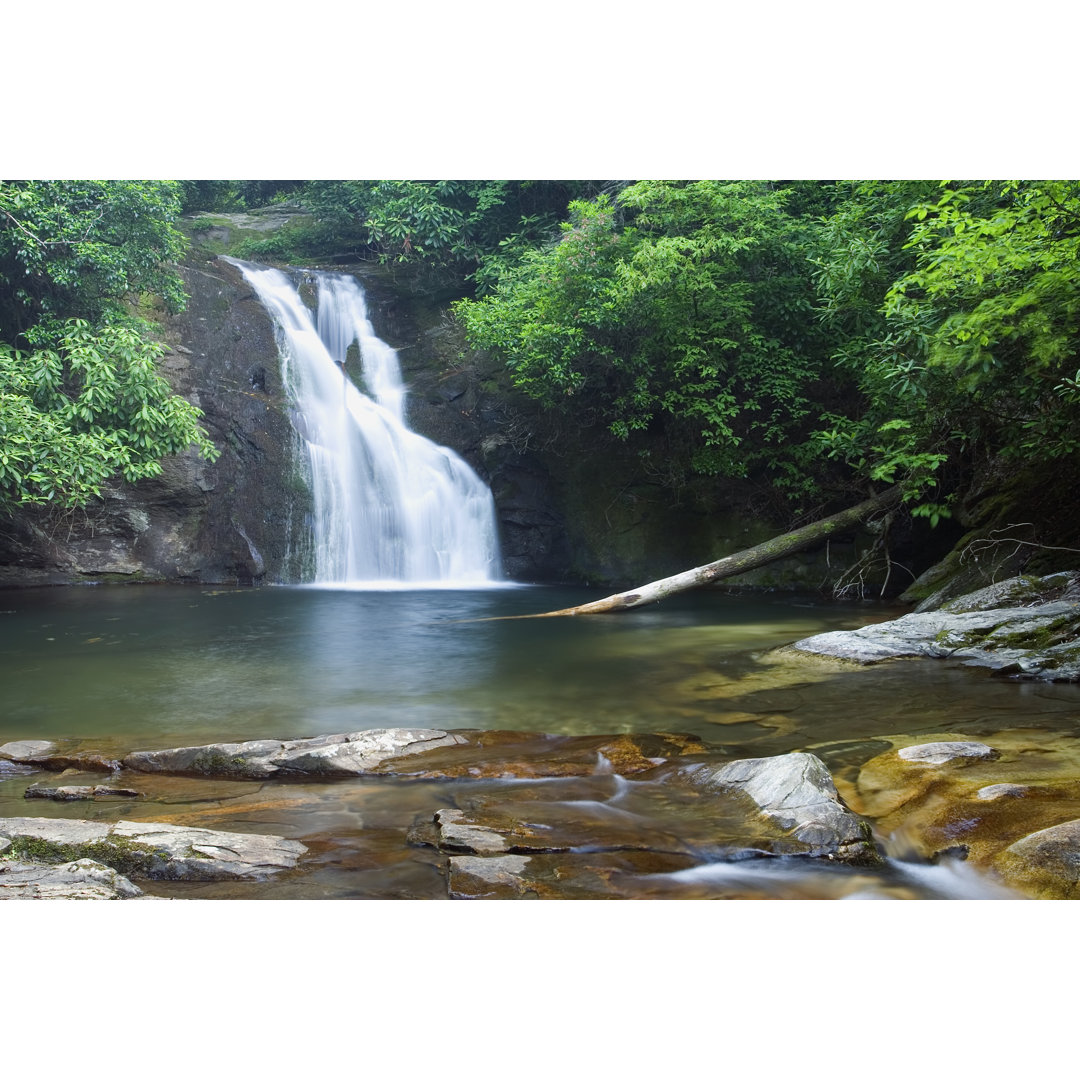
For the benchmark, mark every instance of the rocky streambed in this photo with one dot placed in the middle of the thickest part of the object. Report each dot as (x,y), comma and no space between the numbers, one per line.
(529,815)
(514,815)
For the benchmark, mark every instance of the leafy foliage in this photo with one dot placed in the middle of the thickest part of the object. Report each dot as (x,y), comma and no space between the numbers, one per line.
(78,248)
(955,309)
(451,228)
(681,304)
(80,397)
(227,195)
(93,405)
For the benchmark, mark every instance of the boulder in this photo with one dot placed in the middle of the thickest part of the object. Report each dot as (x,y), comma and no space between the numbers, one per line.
(1025,591)
(83,879)
(153,849)
(795,793)
(1046,863)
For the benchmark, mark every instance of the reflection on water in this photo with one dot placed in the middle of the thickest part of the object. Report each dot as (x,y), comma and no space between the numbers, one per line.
(166,666)
(154,666)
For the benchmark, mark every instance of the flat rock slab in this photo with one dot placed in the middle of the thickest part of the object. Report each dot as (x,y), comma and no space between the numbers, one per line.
(83,879)
(44,755)
(421,754)
(152,850)
(1032,640)
(26,749)
(357,753)
(942,753)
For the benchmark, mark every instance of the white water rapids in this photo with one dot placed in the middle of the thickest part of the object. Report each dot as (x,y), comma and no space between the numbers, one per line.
(392,509)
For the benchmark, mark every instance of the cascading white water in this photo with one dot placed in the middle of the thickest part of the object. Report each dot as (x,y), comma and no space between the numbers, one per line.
(391,508)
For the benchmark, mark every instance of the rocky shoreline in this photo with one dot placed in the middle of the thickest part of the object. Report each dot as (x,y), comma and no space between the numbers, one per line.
(1025,627)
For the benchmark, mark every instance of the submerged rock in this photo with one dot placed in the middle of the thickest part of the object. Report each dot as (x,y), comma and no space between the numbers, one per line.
(11,769)
(73,793)
(523,755)
(83,879)
(1034,638)
(992,809)
(594,876)
(547,841)
(537,826)
(153,849)
(1002,791)
(796,793)
(940,753)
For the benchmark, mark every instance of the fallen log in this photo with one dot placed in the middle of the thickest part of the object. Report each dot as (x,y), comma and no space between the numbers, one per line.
(739,563)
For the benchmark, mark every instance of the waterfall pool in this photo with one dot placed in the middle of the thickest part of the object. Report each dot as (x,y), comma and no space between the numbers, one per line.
(152,667)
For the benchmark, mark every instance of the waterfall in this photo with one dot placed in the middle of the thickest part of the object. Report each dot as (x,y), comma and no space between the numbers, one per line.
(391,508)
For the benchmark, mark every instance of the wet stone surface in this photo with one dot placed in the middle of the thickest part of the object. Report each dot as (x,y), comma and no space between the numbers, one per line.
(75,793)
(986,808)
(83,879)
(151,849)
(531,816)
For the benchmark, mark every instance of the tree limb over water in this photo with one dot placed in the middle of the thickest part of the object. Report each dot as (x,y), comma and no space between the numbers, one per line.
(732,565)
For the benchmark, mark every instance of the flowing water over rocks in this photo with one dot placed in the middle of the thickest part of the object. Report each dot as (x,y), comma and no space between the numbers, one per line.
(390,506)
(518,815)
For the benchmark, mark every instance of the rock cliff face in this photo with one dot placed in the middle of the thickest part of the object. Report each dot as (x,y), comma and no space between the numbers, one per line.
(240,519)
(246,517)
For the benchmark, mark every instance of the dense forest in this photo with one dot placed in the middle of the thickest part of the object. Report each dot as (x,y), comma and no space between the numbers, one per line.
(823,338)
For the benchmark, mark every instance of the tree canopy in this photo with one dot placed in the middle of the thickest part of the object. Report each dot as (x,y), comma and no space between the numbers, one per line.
(826,336)
(683,304)
(903,329)
(954,308)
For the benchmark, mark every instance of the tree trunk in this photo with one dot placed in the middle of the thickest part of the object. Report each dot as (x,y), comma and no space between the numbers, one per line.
(739,563)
